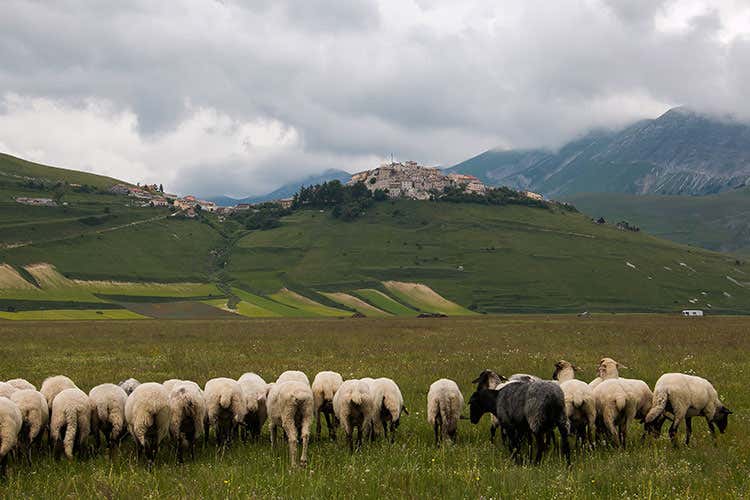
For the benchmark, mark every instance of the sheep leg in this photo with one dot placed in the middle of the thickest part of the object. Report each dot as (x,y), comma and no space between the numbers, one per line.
(3,466)
(350,441)
(305,440)
(688,429)
(385,429)
(673,428)
(330,426)
(318,424)
(541,445)
(393,433)
(179,445)
(272,428)
(712,430)
(493,429)
(614,433)
(436,428)
(291,434)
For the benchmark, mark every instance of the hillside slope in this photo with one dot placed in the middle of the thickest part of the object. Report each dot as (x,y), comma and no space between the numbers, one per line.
(680,152)
(14,169)
(491,259)
(716,222)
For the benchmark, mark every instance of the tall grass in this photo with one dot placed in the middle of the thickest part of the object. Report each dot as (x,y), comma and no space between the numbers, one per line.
(414,353)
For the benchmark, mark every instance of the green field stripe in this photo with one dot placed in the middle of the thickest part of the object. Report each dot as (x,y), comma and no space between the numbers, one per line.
(424,298)
(384,302)
(361,306)
(268,304)
(293,299)
(71,314)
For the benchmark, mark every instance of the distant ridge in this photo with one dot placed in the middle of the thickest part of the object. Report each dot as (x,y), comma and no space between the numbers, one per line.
(679,153)
(287,190)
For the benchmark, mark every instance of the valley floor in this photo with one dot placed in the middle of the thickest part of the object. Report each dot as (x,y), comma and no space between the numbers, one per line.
(414,352)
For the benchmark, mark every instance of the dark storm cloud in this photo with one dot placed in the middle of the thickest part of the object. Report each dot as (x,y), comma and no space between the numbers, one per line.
(348,82)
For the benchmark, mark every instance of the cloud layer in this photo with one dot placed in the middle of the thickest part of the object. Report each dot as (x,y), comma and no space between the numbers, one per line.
(230,97)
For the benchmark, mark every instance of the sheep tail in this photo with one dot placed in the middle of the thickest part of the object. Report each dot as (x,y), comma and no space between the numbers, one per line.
(392,405)
(225,401)
(578,399)
(658,406)
(35,417)
(446,412)
(71,431)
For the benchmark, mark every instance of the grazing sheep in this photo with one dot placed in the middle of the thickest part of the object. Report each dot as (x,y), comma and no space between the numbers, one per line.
(10,426)
(147,414)
(444,405)
(129,385)
(34,416)
(580,406)
(188,414)
(526,409)
(293,375)
(608,368)
(109,403)
(619,401)
(52,386)
(6,390)
(70,424)
(226,407)
(255,392)
(489,379)
(290,406)
(21,383)
(324,386)
(354,407)
(388,404)
(687,396)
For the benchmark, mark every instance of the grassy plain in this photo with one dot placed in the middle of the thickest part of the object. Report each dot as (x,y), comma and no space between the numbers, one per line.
(414,352)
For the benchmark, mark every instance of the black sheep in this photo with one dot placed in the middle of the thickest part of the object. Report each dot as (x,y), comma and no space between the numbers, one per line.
(525,409)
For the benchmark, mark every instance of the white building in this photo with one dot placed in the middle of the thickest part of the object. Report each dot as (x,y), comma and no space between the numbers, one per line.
(692,313)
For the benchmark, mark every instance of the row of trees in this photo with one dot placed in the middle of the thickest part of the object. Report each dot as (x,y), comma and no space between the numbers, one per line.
(348,201)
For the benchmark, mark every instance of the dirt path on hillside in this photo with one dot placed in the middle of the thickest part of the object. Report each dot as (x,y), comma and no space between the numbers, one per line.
(98,231)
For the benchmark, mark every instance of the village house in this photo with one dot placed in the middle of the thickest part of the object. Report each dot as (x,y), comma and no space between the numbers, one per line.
(120,189)
(533,195)
(44,202)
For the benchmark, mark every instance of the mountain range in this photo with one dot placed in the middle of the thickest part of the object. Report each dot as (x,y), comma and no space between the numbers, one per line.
(679,153)
(285,191)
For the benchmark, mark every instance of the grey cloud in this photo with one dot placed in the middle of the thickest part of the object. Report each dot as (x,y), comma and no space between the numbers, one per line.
(357,85)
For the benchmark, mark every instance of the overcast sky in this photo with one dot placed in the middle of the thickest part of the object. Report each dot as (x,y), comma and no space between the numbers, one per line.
(230,97)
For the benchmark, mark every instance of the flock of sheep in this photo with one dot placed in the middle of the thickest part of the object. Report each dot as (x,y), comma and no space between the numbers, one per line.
(525,408)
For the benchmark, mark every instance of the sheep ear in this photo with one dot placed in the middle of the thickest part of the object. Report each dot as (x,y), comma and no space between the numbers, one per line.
(622,367)
(726,410)
(463,417)
(404,410)
(502,378)
(576,369)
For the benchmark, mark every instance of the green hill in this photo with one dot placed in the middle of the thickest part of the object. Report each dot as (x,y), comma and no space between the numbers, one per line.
(402,258)
(491,259)
(16,170)
(716,222)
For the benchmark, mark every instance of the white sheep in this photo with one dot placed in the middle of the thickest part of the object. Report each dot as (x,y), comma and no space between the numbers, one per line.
(35,418)
(109,404)
(619,401)
(147,414)
(6,390)
(444,406)
(354,407)
(226,407)
(188,416)
(10,426)
(580,406)
(255,393)
(52,386)
(608,368)
(687,396)
(21,383)
(388,405)
(70,424)
(293,375)
(324,386)
(129,385)
(290,406)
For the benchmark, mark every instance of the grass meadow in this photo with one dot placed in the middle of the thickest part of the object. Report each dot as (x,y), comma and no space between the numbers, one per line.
(414,352)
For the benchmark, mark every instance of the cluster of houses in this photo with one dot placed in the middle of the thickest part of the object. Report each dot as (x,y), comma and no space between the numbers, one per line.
(411,180)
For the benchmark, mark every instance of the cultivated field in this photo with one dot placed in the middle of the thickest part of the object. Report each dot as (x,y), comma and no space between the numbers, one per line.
(414,352)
